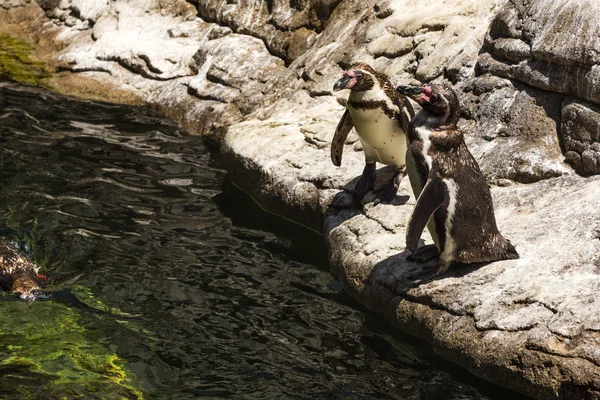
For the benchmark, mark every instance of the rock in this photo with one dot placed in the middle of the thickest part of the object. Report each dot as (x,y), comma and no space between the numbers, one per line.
(567,79)
(390,46)
(514,134)
(554,47)
(8,4)
(87,10)
(521,314)
(437,36)
(580,128)
(151,50)
(550,45)
(510,49)
(300,40)
(287,28)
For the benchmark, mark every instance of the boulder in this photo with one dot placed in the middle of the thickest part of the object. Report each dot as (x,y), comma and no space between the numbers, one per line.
(287,28)
(581,135)
(549,45)
(514,131)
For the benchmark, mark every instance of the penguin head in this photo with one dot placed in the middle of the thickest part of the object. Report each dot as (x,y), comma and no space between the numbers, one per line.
(437,99)
(359,78)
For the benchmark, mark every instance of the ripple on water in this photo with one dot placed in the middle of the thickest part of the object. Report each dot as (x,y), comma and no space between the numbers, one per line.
(176,301)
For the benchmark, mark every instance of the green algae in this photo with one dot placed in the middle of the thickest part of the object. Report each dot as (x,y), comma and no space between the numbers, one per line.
(18,64)
(51,348)
(46,348)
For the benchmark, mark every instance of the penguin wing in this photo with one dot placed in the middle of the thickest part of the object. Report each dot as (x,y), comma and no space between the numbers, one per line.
(430,199)
(341,133)
(408,113)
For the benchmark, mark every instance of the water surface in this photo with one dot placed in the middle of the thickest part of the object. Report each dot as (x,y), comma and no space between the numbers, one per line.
(179,292)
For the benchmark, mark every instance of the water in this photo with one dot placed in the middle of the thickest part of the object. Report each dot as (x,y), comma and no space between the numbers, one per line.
(180,292)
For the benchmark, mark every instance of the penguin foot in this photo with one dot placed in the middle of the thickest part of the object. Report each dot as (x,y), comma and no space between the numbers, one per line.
(424,254)
(443,267)
(365,184)
(388,192)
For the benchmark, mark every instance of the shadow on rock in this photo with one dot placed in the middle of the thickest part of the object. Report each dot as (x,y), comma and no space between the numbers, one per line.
(399,275)
(343,208)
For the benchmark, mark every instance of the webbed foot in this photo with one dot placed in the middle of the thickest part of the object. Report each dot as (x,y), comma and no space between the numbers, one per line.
(443,267)
(365,184)
(388,192)
(424,254)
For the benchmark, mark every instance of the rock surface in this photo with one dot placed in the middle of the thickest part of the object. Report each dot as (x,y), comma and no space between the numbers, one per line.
(150,51)
(581,135)
(555,46)
(258,75)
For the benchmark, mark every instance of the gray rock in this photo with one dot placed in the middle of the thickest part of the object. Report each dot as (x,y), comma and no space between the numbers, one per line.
(510,49)
(197,72)
(568,79)
(550,45)
(287,28)
(8,4)
(580,125)
(390,46)
(513,134)
(509,321)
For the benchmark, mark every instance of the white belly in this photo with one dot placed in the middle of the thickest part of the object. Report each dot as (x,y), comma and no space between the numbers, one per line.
(382,138)
(449,245)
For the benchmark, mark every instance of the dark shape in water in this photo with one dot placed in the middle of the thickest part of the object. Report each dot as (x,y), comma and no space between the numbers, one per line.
(17,273)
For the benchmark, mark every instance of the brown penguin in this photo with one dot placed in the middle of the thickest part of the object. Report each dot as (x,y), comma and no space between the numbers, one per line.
(17,274)
(380,116)
(451,189)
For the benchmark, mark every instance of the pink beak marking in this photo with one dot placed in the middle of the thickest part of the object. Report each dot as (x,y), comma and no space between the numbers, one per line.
(352,75)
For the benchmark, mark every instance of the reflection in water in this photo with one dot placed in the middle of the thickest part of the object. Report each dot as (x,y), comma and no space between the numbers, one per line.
(176,301)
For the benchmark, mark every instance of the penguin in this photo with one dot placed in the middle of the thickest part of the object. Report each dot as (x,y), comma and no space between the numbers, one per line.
(17,274)
(380,116)
(454,199)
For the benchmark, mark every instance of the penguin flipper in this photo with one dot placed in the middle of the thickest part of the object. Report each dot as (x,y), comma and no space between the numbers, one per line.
(341,133)
(430,199)
(408,112)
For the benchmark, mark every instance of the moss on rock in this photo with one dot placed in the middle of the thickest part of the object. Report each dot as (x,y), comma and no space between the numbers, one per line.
(18,64)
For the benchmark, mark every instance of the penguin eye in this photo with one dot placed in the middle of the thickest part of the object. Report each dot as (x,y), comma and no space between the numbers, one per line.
(358,76)
(434,97)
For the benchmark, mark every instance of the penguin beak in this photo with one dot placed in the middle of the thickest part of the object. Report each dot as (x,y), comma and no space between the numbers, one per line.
(417,93)
(410,90)
(343,83)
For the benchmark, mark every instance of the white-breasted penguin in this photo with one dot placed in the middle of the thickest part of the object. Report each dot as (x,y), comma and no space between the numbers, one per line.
(453,195)
(380,116)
